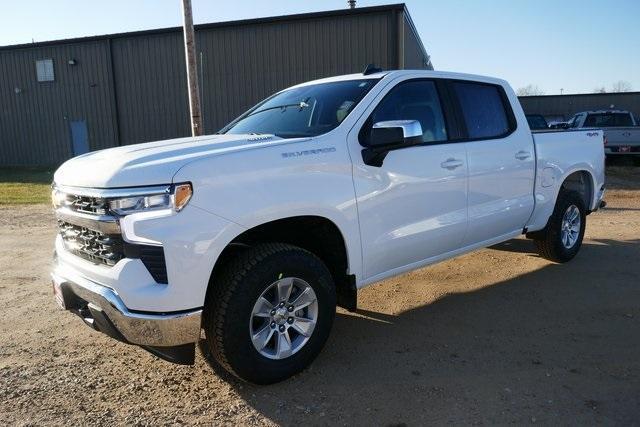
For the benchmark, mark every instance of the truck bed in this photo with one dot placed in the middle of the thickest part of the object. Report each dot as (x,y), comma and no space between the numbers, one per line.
(559,153)
(620,140)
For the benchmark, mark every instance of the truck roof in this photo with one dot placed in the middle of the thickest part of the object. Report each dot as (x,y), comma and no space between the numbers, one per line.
(399,73)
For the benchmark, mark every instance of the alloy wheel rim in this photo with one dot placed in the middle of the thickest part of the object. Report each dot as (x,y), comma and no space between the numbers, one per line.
(283,318)
(570,228)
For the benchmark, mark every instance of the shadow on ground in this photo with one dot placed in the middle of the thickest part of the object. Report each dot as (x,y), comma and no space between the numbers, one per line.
(557,345)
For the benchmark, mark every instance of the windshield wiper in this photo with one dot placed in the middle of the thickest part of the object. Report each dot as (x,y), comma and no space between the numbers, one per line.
(300,105)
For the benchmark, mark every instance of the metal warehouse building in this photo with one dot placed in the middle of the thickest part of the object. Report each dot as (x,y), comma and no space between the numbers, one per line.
(563,107)
(63,98)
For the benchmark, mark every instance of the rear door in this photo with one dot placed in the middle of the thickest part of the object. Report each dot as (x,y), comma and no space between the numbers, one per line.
(501,161)
(414,206)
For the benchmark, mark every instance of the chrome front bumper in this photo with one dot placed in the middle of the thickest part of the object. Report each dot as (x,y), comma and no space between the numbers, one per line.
(168,335)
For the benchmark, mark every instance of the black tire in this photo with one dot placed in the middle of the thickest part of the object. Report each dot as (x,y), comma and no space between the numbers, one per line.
(234,292)
(549,241)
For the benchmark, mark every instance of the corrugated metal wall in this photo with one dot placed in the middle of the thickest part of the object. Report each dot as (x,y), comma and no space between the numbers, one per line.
(245,64)
(565,106)
(35,116)
(151,87)
(414,55)
(131,88)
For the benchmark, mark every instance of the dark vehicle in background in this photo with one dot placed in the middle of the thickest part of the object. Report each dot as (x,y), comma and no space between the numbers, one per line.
(537,122)
(620,128)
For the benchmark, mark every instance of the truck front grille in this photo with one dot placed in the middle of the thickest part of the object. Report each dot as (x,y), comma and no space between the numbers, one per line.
(87,204)
(91,245)
(80,219)
(107,249)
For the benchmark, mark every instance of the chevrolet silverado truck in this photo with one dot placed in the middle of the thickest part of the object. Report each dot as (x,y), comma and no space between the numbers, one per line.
(621,131)
(245,241)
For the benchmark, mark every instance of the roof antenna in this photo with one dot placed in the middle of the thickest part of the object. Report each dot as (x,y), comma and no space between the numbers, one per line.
(370,69)
(352,4)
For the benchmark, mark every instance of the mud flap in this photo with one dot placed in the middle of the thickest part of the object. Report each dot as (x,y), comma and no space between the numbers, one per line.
(181,354)
(347,294)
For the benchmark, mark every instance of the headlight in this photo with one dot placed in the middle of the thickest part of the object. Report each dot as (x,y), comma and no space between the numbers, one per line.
(175,197)
(58,198)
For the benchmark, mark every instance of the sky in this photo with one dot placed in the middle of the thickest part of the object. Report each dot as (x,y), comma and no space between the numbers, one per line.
(573,45)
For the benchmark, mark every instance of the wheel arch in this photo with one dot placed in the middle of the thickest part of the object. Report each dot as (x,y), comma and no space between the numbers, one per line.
(583,182)
(580,179)
(317,234)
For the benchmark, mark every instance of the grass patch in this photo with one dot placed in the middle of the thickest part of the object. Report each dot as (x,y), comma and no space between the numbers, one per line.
(19,186)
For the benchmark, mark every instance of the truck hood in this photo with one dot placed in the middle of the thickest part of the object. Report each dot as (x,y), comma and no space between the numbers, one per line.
(151,163)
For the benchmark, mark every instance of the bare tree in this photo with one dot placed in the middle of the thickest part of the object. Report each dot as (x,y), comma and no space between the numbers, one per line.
(530,90)
(600,89)
(621,86)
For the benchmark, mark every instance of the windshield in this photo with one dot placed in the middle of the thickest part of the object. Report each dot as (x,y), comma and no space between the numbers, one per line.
(604,120)
(304,111)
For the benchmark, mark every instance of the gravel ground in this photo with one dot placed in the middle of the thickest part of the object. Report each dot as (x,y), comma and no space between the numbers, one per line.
(494,337)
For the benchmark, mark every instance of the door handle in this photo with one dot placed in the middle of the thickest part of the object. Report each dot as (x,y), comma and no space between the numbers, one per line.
(523,155)
(451,164)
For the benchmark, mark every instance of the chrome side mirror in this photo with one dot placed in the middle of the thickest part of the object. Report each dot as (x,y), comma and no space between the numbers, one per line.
(390,135)
(395,132)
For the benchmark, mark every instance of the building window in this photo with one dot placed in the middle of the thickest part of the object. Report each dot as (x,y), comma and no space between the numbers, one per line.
(44,70)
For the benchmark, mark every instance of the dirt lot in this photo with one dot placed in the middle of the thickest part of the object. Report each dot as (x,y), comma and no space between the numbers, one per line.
(497,336)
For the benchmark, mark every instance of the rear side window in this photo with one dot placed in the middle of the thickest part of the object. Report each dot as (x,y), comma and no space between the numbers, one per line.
(483,109)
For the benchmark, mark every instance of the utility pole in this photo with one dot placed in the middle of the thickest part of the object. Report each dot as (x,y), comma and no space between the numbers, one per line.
(192,72)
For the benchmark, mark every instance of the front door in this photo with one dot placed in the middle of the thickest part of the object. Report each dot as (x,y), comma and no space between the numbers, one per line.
(414,206)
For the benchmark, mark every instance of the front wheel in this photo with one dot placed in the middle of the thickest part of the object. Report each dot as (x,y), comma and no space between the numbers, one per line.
(560,241)
(269,312)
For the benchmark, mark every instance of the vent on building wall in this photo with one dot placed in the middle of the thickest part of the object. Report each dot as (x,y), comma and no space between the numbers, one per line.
(44,70)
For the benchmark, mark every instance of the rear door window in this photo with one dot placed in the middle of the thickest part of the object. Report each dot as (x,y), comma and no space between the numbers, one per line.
(484,110)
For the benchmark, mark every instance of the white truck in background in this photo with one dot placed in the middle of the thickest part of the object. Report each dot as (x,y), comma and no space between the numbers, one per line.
(621,131)
(256,233)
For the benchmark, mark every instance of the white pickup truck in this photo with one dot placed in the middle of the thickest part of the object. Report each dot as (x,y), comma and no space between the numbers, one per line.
(621,132)
(255,234)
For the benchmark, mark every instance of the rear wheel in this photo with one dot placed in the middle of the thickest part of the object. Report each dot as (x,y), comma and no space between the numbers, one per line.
(560,241)
(269,312)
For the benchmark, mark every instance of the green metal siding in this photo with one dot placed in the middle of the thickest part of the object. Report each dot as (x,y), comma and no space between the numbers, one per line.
(565,106)
(35,116)
(131,88)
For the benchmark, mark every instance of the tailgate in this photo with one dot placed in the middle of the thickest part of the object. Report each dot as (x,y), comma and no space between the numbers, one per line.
(623,140)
